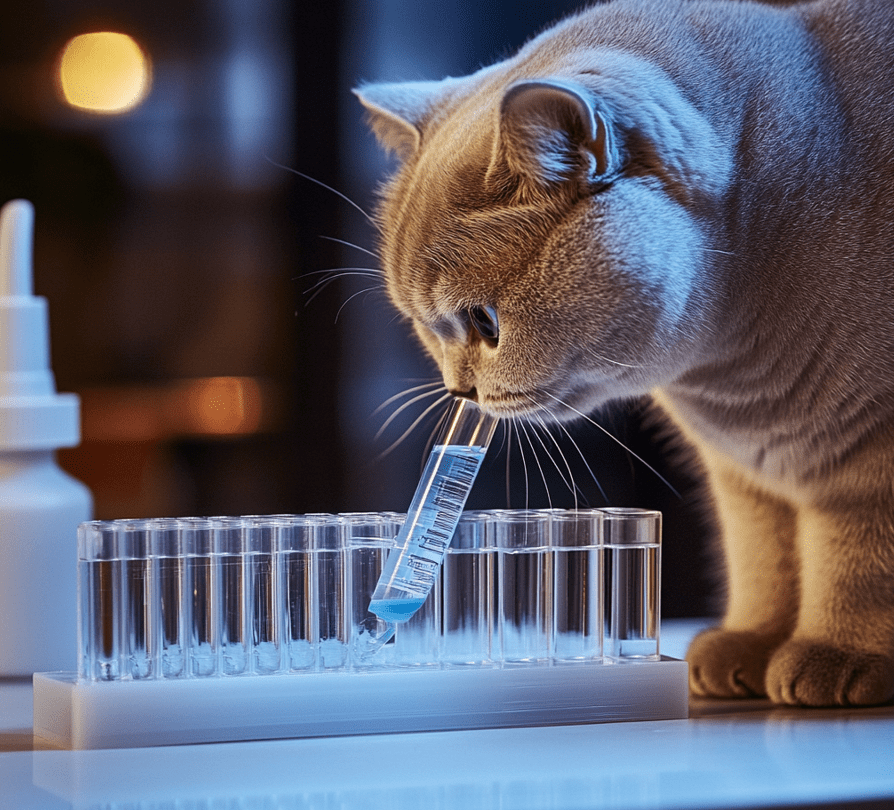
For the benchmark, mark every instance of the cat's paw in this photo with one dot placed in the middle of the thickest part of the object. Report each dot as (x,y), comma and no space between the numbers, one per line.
(806,673)
(728,663)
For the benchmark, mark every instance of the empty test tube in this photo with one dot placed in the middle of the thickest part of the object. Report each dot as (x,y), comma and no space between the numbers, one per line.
(632,540)
(413,566)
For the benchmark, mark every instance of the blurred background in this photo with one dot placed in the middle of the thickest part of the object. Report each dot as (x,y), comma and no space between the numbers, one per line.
(183,258)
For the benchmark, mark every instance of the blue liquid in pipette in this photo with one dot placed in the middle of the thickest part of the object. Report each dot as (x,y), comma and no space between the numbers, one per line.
(395,610)
(424,538)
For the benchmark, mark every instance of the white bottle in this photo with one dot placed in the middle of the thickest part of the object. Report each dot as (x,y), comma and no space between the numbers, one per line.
(40,505)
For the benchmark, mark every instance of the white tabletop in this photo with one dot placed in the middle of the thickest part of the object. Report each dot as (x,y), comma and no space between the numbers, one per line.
(728,754)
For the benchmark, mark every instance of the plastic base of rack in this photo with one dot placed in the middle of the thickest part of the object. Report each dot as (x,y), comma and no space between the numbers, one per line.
(127,714)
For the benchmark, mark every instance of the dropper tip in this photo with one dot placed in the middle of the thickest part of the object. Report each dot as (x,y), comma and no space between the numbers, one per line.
(16,248)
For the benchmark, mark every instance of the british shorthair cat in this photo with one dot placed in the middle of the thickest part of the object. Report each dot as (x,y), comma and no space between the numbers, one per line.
(694,200)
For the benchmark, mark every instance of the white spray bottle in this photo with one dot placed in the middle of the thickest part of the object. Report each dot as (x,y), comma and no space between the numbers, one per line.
(40,505)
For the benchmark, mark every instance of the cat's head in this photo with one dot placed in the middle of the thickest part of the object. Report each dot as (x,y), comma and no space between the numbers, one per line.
(545,231)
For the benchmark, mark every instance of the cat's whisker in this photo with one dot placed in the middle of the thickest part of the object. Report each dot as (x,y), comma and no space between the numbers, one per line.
(352,297)
(346,243)
(613,362)
(584,459)
(398,411)
(524,428)
(321,285)
(617,441)
(364,271)
(433,384)
(569,481)
(413,427)
(371,219)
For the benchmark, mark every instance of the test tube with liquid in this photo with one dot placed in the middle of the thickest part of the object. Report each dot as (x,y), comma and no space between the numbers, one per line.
(332,591)
(368,538)
(632,544)
(165,543)
(299,591)
(258,543)
(522,537)
(577,584)
(202,601)
(469,593)
(414,564)
(138,601)
(230,561)
(99,597)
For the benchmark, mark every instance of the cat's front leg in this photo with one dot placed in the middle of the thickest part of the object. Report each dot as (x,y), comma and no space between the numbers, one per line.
(842,650)
(757,533)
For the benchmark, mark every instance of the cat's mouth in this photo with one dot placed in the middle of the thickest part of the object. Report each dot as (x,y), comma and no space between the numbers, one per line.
(546,405)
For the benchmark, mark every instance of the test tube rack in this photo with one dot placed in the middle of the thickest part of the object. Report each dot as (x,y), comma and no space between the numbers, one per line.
(220,629)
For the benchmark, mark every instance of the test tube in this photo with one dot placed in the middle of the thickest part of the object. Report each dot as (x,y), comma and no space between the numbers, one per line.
(413,566)
(258,542)
(230,561)
(525,585)
(577,584)
(368,537)
(99,601)
(469,593)
(632,540)
(202,596)
(138,601)
(295,547)
(332,589)
(170,609)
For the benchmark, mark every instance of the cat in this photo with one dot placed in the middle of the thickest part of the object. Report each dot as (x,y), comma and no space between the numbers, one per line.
(692,200)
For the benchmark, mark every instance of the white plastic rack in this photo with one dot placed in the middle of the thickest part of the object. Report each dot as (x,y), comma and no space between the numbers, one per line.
(217,629)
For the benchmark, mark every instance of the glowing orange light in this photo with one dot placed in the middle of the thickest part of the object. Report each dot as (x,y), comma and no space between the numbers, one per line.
(104,72)
(224,405)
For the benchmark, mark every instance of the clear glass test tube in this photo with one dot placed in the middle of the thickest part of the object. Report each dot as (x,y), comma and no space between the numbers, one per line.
(298,587)
(332,589)
(632,543)
(138,601)
(525,585)
(99,601)
(413,566)
(576,537)
(202,592)
(468,588)
(368,538)
(169,611)
(258,544)
(230,569)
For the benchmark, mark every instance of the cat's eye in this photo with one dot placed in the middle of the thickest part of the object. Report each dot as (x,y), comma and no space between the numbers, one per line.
(484,321)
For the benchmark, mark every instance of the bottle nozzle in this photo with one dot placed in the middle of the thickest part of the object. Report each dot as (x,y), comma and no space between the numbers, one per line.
(16,248)
(32,415)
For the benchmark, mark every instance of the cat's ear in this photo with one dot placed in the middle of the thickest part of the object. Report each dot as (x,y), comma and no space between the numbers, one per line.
(551,132)
(397,111)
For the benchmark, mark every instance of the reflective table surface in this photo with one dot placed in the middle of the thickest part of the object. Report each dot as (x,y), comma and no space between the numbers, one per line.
(727,754)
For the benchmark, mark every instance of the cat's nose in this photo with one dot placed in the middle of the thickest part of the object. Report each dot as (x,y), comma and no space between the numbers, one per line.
(472,393)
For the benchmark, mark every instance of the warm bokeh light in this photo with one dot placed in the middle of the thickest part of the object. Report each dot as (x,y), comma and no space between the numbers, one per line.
(223,405)
(104,72)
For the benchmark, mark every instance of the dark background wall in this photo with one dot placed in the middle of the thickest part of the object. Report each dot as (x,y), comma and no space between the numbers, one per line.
(178,255)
